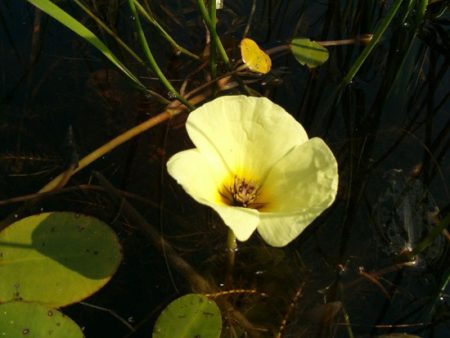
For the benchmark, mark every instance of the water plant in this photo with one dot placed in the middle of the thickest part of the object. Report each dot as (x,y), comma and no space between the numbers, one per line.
(253,178)
(366,80)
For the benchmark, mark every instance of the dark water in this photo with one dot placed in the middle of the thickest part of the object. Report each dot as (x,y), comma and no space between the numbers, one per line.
(389,130)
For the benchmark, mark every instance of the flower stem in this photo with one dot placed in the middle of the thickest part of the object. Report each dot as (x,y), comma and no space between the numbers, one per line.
(231,251)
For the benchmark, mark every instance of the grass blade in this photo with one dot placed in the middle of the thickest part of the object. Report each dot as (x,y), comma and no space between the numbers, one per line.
(377,35)
(78,28)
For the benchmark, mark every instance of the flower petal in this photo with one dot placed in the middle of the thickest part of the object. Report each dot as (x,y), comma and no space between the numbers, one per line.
(248,134)
(305,178)
(279,230)
(299,187)
(242,221)
(201,178)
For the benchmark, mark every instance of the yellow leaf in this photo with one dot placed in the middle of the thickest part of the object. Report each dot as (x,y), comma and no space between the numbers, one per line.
(254,57)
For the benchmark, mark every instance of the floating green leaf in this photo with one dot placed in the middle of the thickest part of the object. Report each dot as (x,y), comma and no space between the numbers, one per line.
(309,53)
(56,258)
(192,315)
(19,320)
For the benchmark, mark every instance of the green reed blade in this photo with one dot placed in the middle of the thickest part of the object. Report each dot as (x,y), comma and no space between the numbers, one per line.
(162,31)
(78,28)
(212,30)
(109,31)
(151,59)
(378,34)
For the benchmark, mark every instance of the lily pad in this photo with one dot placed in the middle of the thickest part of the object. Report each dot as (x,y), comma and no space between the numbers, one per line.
(56,258)
(309,53)
(192,315)
(19,320)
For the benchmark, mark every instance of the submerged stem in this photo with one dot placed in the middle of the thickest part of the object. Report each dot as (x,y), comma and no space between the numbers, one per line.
(429,239)
(231,256)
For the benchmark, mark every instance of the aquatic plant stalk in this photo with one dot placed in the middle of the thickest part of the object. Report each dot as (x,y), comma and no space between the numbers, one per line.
(231,256)
(429,239)
(219,46)
(377,35)
(163,32)
(78,28)
(213,32)
(198,282)
(212,47)
(117,141)
(109,31)
(151,59)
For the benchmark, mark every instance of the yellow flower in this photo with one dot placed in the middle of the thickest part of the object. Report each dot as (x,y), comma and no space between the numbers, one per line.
(255,166)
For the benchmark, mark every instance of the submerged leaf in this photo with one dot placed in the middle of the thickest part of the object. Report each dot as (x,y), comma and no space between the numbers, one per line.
(254,57)
(192,315)
(18,319)
(56,258)
(309,53)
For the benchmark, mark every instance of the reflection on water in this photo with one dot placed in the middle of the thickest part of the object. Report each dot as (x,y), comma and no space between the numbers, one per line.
(405,213)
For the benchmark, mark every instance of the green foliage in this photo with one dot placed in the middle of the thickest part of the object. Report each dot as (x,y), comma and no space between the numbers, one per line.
(18,320)
(192,315)
(78,28)
(309,53)
(56,258)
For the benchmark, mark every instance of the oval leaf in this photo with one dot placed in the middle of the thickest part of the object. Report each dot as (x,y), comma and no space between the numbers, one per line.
(19,320)
(192,315)
(254,57)
(308,52)
(56,258)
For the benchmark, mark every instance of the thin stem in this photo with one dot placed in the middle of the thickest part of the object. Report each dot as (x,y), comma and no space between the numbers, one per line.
(429,239)
(218,44)
(378,34)
(109,31)
(213,47)
(117,141)
(166,35)
(346,315)
(421,9)
(198,283)
(231,256)
(212,30)
(151,59)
